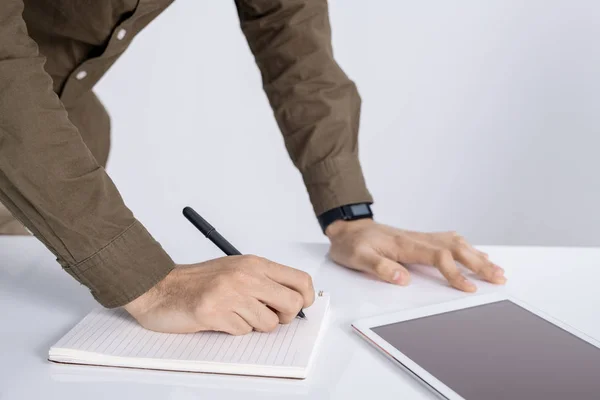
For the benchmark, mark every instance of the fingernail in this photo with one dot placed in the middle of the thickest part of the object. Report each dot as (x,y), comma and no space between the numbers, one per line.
(470,285)
(499,273)
(397,278)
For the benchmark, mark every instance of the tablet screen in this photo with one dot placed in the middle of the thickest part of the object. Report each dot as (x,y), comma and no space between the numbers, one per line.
(499,351)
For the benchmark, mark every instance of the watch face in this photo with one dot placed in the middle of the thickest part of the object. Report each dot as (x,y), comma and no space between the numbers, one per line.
(360,209)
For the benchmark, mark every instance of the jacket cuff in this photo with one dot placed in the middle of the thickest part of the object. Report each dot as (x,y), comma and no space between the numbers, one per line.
(335,182)
(126,268)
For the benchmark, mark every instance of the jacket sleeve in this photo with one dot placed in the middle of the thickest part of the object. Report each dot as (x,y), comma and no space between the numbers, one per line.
(317,107)
(51,182)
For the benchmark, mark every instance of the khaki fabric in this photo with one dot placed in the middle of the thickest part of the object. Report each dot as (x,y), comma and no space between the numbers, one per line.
(9,225)
(55,133)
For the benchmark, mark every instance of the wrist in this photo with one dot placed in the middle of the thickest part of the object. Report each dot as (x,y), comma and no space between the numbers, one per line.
(341,227)
(147,301)
(348,212)
(139,306)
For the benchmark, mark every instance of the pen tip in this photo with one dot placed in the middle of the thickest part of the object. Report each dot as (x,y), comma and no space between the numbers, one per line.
(301,314)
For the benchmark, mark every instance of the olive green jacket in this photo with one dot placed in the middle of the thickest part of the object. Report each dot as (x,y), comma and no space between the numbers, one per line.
(53,145)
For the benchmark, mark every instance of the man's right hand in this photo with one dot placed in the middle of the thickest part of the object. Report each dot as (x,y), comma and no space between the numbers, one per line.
(235,294)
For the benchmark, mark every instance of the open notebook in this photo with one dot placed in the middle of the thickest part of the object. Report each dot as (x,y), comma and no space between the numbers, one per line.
(113,338)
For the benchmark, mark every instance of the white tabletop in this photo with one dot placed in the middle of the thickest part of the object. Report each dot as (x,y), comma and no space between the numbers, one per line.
(39,303)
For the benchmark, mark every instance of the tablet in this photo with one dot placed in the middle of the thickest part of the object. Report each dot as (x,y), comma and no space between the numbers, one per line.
(489,348)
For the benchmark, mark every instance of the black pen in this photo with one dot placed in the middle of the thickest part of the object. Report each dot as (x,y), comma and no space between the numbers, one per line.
(211,233)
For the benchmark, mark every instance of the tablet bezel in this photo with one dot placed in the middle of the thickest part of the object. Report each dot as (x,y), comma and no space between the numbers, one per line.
(364,328)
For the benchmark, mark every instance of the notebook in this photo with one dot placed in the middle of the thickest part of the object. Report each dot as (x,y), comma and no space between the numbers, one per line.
(113,338)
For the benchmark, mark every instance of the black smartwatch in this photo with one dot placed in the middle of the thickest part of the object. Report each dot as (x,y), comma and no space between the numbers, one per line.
(349,212)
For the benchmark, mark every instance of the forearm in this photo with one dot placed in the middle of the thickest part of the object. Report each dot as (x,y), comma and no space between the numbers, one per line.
(51,182)
(316,105)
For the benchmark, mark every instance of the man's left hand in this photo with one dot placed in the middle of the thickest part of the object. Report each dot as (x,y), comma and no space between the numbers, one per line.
(383,251)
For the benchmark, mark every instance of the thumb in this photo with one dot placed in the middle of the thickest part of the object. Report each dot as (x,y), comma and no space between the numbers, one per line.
(386,269)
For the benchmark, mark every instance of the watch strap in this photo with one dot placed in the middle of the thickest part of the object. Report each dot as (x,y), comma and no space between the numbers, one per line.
(348,212)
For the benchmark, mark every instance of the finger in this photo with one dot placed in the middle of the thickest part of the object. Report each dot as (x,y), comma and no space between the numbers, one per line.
(233,324)
(257,315)
(479,252)
(444,261)
(283,300)
(385,268)
(482,254)
(286,318)
(422,253)
(294,279)
(480,265)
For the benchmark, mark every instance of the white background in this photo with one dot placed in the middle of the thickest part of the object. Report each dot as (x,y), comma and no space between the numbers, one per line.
(478,116)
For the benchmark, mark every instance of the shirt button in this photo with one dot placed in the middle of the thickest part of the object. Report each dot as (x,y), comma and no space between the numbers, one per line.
(121,34)
(80,75)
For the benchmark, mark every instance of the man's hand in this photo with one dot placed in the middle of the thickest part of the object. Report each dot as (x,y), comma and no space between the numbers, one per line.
(231,294)
(381,250)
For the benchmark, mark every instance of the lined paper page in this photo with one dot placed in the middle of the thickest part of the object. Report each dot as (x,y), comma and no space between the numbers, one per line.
(116,333)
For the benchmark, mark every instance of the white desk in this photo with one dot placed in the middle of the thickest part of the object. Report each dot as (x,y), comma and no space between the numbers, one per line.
(39,303)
